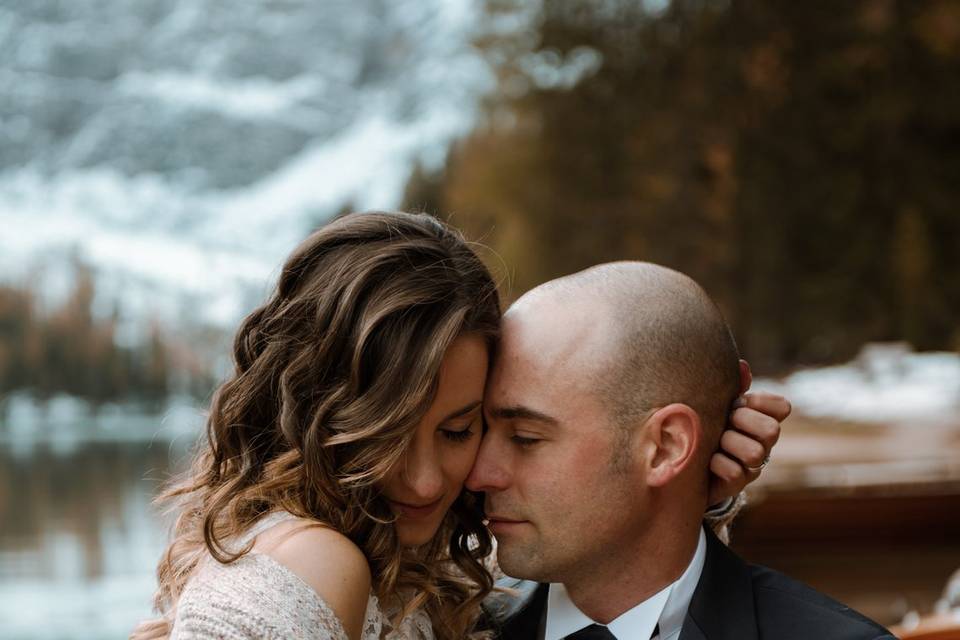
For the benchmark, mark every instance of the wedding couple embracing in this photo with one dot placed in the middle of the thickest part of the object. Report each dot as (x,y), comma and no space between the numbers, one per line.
(385,422)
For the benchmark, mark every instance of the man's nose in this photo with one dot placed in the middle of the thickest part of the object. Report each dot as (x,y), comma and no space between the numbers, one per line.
(491,470)
(423,473)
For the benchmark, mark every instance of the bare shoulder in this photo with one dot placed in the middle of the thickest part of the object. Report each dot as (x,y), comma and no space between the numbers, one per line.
(326,560)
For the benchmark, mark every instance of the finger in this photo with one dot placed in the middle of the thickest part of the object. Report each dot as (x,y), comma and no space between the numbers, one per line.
(757,426)
(728,478)
(730,472)
(775,406)
(748,451)
(746,377)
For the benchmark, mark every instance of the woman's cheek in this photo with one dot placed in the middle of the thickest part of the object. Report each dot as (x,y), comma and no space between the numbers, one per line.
(460,461)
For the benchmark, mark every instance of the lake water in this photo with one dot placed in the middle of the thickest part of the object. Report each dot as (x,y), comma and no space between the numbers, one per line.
(79,537)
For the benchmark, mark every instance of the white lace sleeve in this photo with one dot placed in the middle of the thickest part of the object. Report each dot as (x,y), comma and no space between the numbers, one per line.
(254,598)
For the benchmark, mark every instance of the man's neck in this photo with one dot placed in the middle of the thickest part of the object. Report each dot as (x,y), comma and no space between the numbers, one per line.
(635,572)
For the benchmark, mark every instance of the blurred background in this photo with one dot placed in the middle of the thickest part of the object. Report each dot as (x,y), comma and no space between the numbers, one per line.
(159,159)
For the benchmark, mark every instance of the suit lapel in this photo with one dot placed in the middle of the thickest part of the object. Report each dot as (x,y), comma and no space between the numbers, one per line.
(691,630)
(721,608)
(528,622)
(722,605)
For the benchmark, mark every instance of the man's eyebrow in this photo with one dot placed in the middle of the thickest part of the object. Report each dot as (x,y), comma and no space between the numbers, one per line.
(519,412)
(463,411)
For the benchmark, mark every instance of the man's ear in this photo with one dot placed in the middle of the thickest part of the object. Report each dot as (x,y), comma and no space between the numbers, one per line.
(673,433)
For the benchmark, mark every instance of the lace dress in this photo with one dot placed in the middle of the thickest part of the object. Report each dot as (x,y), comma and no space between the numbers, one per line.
(256,597)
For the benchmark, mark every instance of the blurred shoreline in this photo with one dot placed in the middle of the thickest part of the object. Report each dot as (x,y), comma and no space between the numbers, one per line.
(867,511)
(64,423)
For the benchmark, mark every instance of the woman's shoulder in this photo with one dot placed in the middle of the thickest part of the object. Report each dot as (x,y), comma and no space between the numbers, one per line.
(300,579)
(253,597)
(325,560)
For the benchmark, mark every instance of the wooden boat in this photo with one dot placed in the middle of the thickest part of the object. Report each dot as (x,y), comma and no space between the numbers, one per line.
(869,514)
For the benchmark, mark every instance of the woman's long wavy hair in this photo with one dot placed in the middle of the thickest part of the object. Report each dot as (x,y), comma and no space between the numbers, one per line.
(332,375)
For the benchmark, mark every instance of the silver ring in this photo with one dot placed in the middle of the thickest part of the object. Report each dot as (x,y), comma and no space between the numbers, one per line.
(762,465)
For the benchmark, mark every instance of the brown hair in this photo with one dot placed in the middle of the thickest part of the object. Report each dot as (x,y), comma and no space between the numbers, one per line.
(332,375)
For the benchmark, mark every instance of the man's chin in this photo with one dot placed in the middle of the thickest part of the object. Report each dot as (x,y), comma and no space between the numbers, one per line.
(516,562)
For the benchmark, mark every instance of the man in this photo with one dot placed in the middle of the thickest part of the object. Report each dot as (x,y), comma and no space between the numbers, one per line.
(608,396)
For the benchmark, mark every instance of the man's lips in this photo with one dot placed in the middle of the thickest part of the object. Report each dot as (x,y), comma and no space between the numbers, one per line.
(492,516)
(502,521)
(415,511)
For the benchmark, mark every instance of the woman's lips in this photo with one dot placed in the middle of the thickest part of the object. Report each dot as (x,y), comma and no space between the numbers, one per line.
(413,511)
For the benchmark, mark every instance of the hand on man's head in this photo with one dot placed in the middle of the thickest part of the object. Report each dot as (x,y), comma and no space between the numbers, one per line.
(748,440)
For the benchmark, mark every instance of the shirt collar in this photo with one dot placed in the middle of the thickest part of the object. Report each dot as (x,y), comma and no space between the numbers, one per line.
(668,607)
(681,593)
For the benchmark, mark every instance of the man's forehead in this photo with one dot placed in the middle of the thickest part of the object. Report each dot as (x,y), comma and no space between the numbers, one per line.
(550,344)
(545,366)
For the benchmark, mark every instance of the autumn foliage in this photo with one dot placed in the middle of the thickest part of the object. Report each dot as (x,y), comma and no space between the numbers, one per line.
(66,348)
(800,159)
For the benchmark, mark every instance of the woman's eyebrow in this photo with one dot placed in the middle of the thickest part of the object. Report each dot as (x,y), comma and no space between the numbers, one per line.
(463,411)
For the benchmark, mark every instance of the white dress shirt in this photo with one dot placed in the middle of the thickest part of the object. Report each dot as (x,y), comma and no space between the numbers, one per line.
(668,608)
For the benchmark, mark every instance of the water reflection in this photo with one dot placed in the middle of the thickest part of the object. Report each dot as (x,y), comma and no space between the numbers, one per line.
(79,539)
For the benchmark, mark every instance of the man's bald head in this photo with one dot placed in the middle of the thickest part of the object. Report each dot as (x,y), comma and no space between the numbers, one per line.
(665,340)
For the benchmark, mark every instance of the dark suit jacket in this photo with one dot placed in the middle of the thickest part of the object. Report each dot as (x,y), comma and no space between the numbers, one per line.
(733,601)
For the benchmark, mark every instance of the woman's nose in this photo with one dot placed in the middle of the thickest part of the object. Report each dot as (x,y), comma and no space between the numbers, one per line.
(423,473)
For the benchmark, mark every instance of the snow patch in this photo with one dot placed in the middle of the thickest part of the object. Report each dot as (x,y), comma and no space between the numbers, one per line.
(885,383)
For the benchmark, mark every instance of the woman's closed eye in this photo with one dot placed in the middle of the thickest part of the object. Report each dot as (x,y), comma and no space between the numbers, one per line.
(458,433)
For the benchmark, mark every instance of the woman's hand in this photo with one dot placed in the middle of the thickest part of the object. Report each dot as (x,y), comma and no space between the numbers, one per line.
(746,444)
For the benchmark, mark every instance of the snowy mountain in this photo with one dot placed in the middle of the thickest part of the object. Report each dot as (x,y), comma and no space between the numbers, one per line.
(183,147)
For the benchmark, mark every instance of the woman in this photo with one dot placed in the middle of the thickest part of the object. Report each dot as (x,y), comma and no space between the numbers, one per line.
(362,372)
